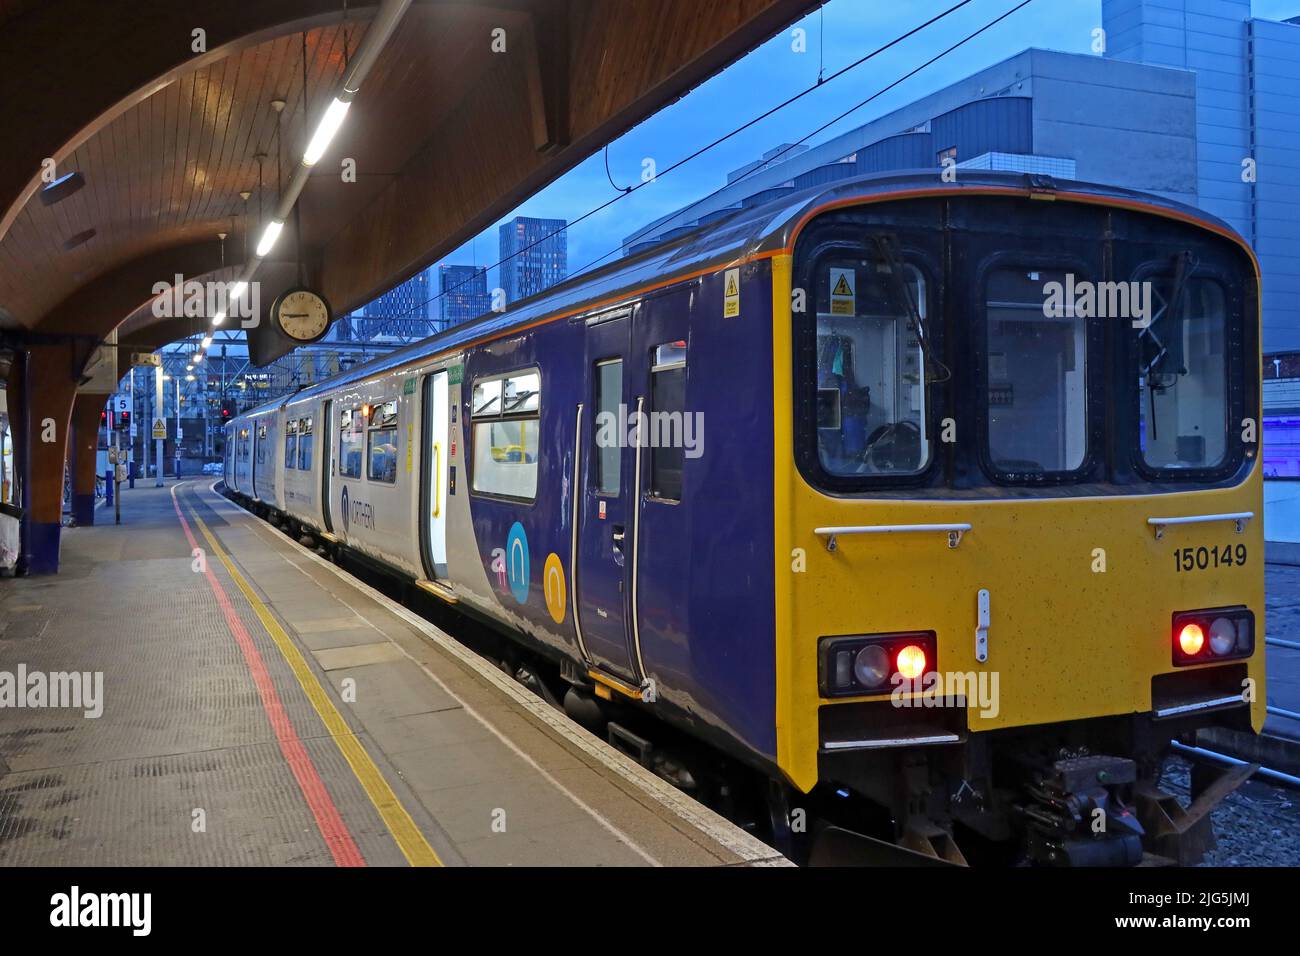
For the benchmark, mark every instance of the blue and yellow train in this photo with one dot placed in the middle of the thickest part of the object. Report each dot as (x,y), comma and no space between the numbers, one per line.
(938,501)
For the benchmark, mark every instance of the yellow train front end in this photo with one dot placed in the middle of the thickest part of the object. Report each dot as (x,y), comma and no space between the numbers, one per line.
(1019,539)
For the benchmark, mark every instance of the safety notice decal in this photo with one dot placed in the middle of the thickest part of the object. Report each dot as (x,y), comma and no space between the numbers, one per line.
(731,294)
(843,294)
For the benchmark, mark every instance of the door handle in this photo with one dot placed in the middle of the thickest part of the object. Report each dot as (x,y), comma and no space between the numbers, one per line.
(618,534)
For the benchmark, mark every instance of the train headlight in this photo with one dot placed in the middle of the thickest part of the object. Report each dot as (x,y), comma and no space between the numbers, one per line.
(865,664)
(1212,635)
(871,666)
(1223,636)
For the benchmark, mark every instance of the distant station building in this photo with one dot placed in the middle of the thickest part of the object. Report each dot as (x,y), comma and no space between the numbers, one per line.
(1195,100)
(462,294)
(534,255)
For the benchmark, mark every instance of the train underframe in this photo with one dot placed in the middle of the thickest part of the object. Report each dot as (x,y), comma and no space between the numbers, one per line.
(1079,793)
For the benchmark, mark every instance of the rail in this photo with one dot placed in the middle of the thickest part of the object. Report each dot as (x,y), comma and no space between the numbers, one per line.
(1239,518)
(953,531)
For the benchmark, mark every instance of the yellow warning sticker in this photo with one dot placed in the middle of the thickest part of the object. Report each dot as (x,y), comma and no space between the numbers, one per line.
(731,294)
(843,295)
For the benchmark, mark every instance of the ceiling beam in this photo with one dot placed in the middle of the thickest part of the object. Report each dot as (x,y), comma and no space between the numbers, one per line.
(625,60)
(73,66)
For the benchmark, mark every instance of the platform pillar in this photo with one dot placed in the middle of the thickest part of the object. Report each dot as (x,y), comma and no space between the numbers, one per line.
(84,453)
(45,393)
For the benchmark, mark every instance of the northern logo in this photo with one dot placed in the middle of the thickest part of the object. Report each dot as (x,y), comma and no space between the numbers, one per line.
(359,511)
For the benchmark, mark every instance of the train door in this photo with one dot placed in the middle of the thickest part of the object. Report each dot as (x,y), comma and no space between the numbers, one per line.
(326,456)
(605,495)
(660,554)
(435,472)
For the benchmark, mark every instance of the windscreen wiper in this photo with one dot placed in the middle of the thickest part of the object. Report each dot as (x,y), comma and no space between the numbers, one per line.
(887,247)
(1173,312)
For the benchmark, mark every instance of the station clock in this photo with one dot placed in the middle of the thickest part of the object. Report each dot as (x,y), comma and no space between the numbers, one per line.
(302,314)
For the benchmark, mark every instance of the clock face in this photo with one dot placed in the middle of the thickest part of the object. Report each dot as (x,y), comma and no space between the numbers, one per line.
(302,315)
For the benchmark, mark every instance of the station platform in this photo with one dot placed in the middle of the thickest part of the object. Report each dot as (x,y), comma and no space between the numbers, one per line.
(245,702)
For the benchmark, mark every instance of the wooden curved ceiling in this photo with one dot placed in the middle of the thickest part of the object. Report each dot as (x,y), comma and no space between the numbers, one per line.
(446,135)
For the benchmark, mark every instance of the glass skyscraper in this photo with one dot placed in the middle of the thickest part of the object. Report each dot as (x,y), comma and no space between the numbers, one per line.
(462,294)
(534,256)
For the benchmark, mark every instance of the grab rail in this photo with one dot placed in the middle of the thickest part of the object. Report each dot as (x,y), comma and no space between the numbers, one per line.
(1239,518)
(437,479)
(954,531)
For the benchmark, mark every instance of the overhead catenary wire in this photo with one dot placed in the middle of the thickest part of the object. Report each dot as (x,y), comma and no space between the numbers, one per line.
(723,138)
(828,124)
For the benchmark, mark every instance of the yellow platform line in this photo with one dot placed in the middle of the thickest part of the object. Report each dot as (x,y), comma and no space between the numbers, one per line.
(410,840)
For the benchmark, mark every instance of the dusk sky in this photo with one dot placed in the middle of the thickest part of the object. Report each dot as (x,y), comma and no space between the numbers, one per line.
(842,31)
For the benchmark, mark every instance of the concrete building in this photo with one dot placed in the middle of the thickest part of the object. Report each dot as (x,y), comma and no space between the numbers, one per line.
(1062,114)
(534,256)
(1247,75)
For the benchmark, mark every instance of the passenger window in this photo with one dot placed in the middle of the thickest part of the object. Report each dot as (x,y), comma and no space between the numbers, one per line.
(261,444)
(609,426)
(381,444)
(290,444)
(871,397)
(1182,377)
(506,423)
(350,442)
(1037,375)
(305,442)
(669,429)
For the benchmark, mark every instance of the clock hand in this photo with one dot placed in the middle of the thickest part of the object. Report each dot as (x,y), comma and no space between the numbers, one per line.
(294,315)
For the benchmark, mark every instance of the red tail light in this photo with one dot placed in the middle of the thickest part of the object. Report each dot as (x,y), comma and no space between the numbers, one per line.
(863,664)
(1191,639)
(910,662)
(1213,635)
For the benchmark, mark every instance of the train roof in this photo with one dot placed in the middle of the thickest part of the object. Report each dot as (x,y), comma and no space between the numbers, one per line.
(713,245)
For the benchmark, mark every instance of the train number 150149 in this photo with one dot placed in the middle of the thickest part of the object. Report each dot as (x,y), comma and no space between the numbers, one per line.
(1201,559)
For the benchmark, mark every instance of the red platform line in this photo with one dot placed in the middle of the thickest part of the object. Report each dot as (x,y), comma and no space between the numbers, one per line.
(328,819)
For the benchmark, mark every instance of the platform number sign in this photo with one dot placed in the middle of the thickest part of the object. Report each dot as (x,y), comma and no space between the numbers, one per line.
(731,294)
